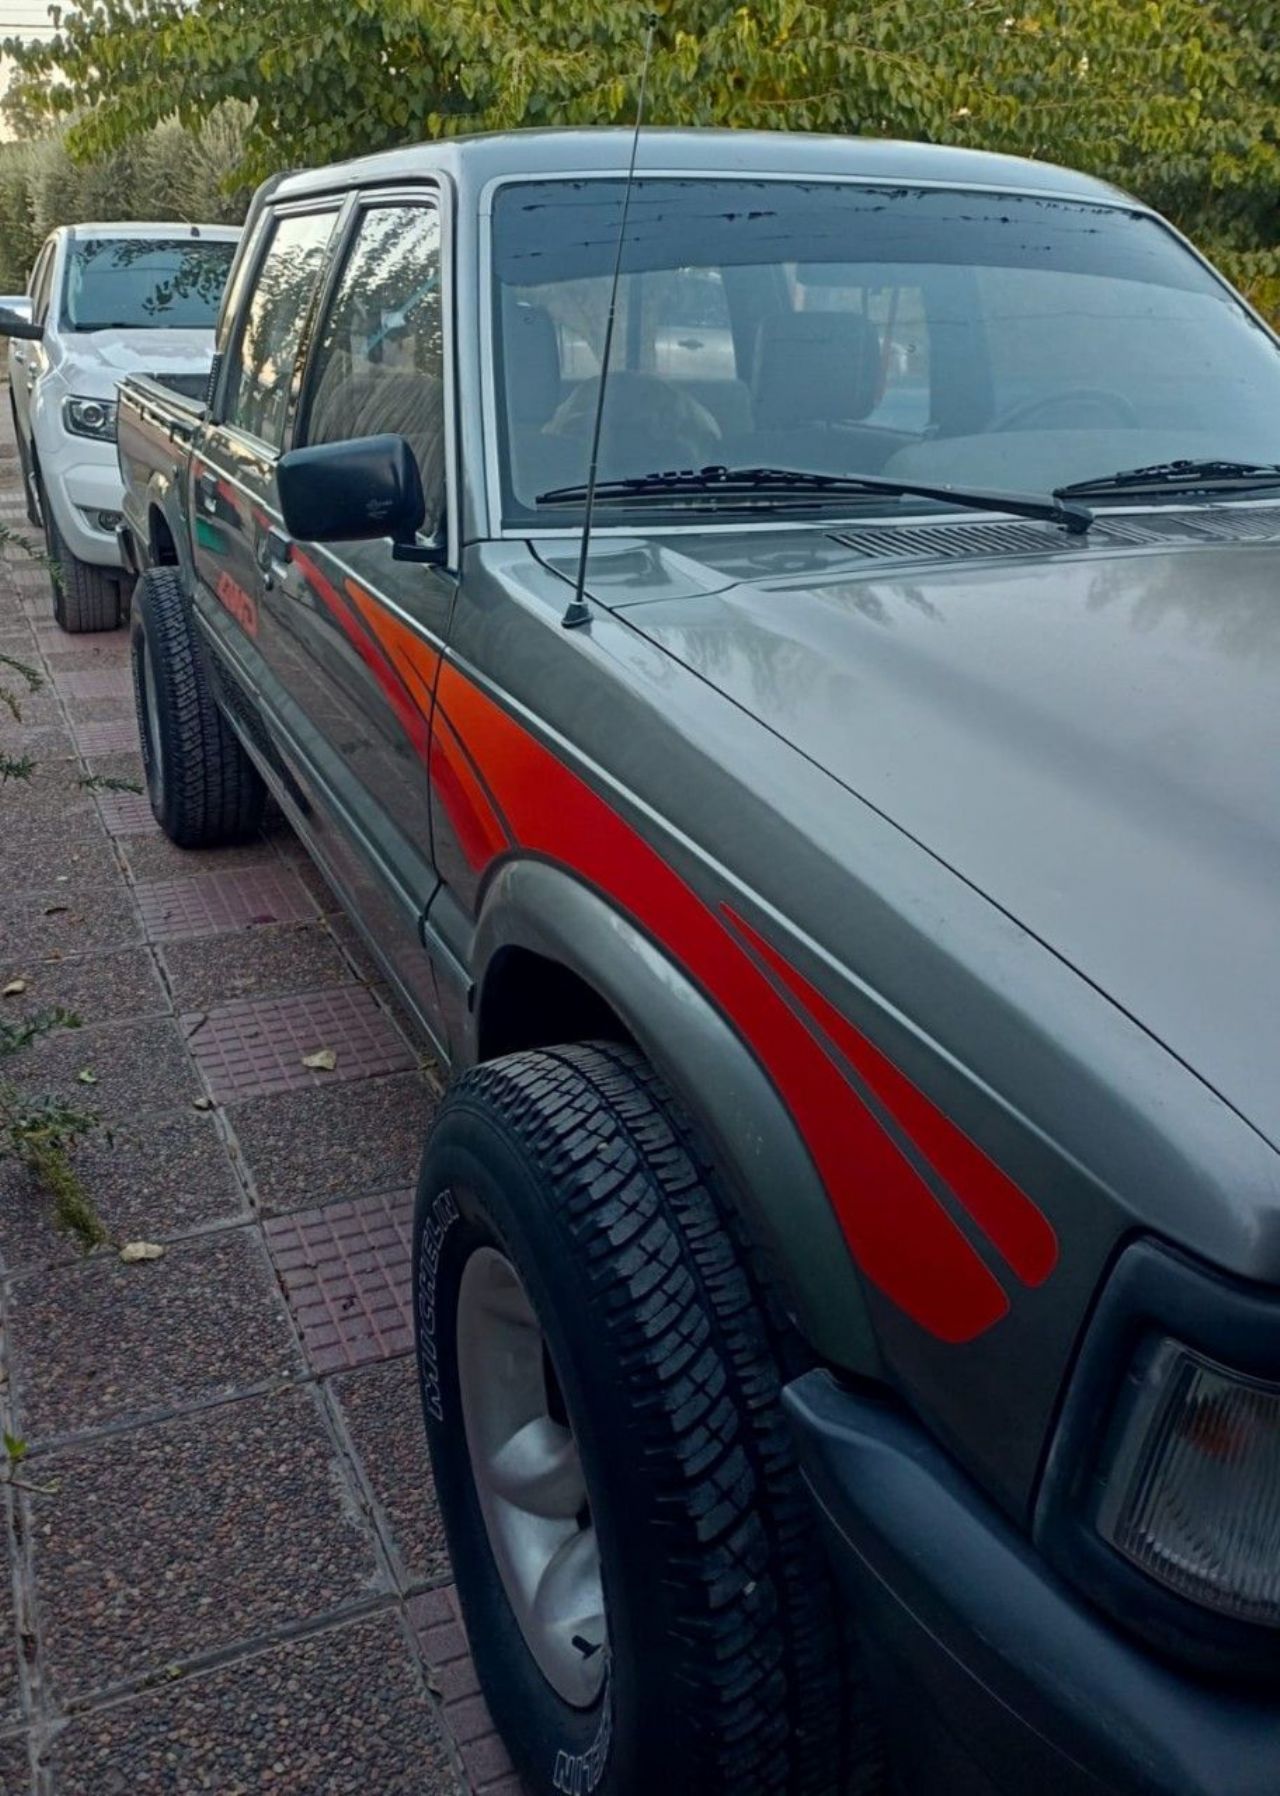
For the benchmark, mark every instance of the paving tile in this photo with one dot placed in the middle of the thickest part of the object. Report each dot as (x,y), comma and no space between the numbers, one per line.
(310,1147)
(345,1272)
(126,813)
(353,946)
(45,742)
(97,682)
(338,1713)
(253,1046)
(383,1413)
(269,961)
(222,899)
(102,710)
(123,982)
(122,765)
(114,736)
(52,791)
(67,920)
(152,1177)
(437,1623)
(10,1696)
(155,857)
(15,1766)
(134,1067)
(38,851)
(322,892)
(203,1322)
(181,1539)
(108,648)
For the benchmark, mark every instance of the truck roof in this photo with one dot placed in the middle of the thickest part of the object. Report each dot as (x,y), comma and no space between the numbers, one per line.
(472,162)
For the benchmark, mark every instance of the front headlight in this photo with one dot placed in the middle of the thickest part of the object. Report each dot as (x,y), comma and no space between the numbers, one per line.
(1192,1482)
(90,418)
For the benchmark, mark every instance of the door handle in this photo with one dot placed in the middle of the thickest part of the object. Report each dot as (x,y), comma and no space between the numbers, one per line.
(19,356)
(275,552)
(207,489)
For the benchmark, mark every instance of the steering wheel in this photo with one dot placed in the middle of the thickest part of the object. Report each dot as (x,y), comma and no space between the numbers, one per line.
(1026,415)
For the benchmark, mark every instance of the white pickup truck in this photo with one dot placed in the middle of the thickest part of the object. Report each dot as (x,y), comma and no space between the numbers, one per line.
(103,301)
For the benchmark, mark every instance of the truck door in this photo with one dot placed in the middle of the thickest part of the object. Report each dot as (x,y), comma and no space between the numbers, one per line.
(354,634)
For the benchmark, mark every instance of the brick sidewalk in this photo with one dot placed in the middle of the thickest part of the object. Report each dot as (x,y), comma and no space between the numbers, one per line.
(238,1581)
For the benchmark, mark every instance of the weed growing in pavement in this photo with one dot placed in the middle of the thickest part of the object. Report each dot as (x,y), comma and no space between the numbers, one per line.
(40,1132)
(16,767)
(104,782)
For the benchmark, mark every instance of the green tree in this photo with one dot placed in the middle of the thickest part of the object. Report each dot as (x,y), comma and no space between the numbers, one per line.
(1176,98)
(164,172)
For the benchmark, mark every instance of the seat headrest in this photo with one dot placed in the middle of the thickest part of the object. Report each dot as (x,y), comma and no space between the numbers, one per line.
(815,368)
(531,356)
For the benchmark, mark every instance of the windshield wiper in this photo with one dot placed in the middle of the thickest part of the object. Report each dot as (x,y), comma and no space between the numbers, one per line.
(1176,476)
(769,486)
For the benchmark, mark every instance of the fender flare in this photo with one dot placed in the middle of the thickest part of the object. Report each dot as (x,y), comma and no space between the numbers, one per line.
(544,909)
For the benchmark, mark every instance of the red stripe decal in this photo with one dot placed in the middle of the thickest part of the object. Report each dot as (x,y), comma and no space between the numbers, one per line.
(480,831)
(1003,1211)
(898,1231)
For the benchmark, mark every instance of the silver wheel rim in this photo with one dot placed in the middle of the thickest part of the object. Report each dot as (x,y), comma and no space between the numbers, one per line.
(155,769)
(529,1479)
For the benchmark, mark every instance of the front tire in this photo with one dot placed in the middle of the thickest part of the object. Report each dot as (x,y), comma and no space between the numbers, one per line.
(600,1382)
(204,789)
(85,597)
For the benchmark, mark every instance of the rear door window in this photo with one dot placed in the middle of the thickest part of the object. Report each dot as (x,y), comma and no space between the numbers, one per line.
(261,379)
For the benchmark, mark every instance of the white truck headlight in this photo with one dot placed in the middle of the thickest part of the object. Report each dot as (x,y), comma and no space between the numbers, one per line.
(1192,1492)
(90,418)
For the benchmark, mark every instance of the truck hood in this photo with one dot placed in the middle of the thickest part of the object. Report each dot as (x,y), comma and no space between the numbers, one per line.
(93,362)
(1090,739)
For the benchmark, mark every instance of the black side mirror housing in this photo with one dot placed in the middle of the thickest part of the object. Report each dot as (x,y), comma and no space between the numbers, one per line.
(13,324)
(357,490)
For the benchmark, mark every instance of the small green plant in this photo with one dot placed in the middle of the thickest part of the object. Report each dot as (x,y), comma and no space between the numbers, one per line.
(39,1133)
(105,782)
(15,1451)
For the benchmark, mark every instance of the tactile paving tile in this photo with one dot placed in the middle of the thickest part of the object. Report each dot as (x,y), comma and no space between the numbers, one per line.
(126,813)
(436,1618)
(95,682)
(118,736)
(345,1272)
(210,903)
(255,1046)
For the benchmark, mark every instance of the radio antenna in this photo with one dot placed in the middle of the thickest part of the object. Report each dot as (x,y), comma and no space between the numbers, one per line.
(577,612)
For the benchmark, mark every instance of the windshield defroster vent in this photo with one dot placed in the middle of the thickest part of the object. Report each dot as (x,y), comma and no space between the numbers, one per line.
(954,539)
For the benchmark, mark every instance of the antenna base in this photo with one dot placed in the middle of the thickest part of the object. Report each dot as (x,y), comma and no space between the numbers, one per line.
(576,615)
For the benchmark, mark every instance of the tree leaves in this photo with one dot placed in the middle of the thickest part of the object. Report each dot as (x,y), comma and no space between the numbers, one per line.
(1178,100)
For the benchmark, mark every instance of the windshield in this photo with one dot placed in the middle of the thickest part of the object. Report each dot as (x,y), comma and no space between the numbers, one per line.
(141,283)
(996,341)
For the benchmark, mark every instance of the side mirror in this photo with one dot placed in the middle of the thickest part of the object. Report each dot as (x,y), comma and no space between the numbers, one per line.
(16,319)
(358,490)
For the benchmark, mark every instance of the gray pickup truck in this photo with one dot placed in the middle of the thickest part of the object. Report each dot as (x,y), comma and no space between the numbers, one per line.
(846,893)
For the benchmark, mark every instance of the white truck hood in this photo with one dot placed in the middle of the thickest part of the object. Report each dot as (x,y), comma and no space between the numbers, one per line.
(93,362)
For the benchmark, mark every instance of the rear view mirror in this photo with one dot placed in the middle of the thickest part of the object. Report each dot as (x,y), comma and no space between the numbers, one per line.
(354,491)
(16,320)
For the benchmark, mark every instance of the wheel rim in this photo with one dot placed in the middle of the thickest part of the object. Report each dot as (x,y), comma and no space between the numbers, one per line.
(529,1479)
(155,767)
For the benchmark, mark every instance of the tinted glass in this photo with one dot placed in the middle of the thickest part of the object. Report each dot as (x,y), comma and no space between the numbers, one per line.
(1005,341)
(144,283)
(379,359)
(276,312)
